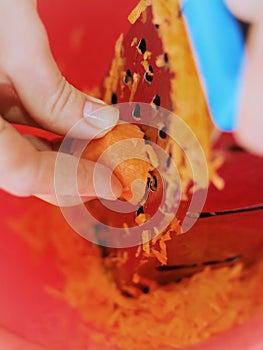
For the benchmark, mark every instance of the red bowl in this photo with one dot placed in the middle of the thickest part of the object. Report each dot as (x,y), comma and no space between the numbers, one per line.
(82,35)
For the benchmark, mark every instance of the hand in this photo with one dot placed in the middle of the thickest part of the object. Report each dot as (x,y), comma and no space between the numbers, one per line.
(33,92)
(250,120)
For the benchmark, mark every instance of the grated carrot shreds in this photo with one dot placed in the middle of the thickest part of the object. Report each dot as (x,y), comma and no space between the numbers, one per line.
(138,10)
(179,85)
(146,237)
(135,82)
(175,315)
(111,82)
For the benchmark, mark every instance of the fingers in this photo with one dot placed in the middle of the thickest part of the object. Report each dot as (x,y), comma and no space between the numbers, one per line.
(250,118)
(24,171)
(45,94)
(246,10)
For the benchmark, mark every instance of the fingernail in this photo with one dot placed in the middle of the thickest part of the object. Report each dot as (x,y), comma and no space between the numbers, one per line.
(96,100)
(100,117)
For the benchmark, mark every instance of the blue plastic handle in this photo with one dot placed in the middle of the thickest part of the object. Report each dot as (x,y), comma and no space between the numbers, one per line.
(219,44)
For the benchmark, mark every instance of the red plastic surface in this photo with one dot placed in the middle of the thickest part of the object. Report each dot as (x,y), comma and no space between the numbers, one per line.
(82,37)
(82,34)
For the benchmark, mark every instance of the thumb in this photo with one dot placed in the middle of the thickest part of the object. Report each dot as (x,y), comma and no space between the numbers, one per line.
(24,171)
(46,95)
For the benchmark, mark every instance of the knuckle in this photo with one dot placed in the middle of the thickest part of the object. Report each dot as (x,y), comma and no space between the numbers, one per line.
(58,97)
(58,102)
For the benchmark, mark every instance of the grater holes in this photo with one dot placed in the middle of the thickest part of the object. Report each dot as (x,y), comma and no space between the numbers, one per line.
(127,79)
(168,161)
(114,98)
(137,112)
(140,210)
(148,76)
(152,183)
(146,141)
(142,47)
(165,57)
(163,133)
(156,101)
(228,260)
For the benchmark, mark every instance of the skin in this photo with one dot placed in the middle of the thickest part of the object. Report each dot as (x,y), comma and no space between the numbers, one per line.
(250,118)
(33,92)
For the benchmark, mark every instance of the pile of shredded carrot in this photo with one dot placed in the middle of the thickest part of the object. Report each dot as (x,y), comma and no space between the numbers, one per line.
(171,316)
